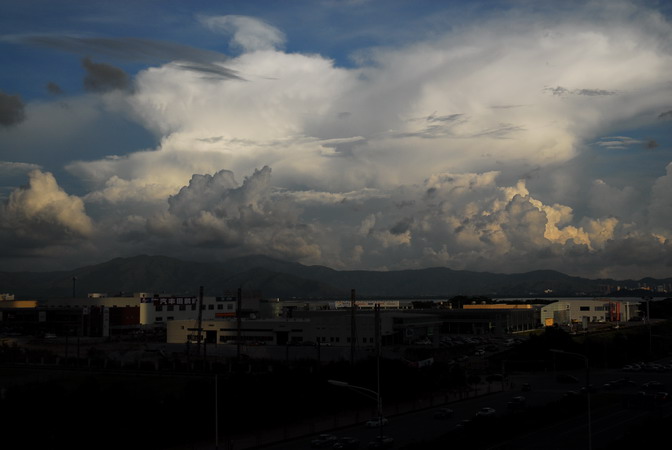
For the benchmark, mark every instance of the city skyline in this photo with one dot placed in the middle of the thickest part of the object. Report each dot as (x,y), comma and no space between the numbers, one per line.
(501,136)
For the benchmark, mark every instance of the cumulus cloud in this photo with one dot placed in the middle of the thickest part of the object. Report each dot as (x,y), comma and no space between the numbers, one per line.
(452,151)
(660,209)
(8,168)
(215,211)
(248,33)
(12,110)
(43,213)
(611,201)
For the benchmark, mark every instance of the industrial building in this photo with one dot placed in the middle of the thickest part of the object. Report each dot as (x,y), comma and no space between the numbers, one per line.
(99,315)
(582,312)
(245,316)
(322,327)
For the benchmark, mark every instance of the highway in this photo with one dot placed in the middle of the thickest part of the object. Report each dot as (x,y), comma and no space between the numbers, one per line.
(606,423)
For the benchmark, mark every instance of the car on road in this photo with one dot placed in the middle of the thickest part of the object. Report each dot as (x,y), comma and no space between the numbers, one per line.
(495,377)
(462,424)
(486,412)
(570,394)
(517,402)
(588,389)
(346,442)
(376,422)
(443,413)
(526,387)
(324,441)
(661,396)
(381,442)
(566,378)
(653,386)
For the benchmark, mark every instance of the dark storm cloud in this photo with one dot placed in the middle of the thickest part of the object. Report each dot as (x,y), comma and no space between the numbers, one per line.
(343,147)
(102,77)
(11,110)
(593,92)
(138,50)
(561,91)
(666,115)
(558,90)
(500,131)
(402,226)
(54,89)
(435,126)
(446,118)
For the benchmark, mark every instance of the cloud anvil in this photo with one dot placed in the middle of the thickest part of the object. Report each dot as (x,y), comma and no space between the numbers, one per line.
(498,139)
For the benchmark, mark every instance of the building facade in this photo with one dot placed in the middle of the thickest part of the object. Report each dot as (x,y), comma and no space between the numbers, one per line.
(585,311)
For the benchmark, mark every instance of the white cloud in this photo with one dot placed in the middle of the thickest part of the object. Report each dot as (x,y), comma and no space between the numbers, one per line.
(415,157)
(249,33)
(660,209)
(42,212)
(8,168)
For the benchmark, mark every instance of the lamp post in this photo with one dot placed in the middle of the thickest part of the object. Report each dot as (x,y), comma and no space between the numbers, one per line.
(585,359)
(370,393)
(216,415)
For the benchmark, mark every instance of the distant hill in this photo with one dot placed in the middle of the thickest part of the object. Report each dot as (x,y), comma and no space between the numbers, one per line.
(276,278)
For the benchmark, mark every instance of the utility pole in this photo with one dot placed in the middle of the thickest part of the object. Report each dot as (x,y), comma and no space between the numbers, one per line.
(216,416)
(239,320)
(648,321)
(353,327)
(378,350)
(199,325)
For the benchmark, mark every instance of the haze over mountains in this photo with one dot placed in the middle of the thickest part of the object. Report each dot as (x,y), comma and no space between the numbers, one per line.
(276,278)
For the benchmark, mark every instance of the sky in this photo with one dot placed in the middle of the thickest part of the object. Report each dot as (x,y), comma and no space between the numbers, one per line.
(494,135)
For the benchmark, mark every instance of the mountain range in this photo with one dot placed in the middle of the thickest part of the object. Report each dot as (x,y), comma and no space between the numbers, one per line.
(286,280)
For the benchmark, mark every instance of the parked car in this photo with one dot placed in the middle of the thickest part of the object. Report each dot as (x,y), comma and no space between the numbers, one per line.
(346,442)
(376,422)
(381,442)
(324,441)
(443,413)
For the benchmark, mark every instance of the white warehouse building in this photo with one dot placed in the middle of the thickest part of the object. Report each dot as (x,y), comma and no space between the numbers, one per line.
(585,311)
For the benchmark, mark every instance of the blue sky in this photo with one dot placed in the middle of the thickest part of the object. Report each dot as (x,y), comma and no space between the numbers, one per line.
(501,136)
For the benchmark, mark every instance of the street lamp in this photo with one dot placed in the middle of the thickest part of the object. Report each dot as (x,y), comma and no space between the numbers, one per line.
(370,393)
(585,359)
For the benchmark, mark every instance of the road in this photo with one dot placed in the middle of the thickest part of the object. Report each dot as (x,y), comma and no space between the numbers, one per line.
(606,424)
